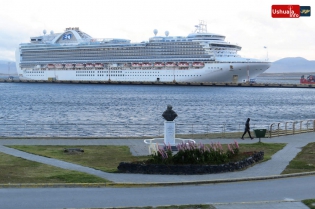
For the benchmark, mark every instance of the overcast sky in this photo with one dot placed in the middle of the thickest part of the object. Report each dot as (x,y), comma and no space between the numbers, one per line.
(247,23)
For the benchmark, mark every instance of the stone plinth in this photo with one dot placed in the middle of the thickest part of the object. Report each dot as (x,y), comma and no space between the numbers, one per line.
(169,132)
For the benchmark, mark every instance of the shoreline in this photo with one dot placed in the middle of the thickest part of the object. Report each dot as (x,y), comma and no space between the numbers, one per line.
(210,84)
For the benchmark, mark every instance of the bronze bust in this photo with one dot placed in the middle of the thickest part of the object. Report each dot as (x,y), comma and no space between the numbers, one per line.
(169,114)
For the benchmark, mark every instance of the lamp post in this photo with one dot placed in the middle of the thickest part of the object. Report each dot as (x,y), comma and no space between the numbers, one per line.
(174,75)
(9,68)
(247,71)
(267,53)
(108,72)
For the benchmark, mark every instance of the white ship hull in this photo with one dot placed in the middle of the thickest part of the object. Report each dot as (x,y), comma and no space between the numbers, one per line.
(211,72)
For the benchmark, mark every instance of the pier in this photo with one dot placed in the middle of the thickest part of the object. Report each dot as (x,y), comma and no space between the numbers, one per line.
(213,84)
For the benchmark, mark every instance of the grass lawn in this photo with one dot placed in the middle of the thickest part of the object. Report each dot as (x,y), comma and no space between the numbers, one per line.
(269,148)
(310,203)
(303,162)
(107,158)
(18,170)
(202,206)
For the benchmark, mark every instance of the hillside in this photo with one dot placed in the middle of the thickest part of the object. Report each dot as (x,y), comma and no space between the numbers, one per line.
(292,65)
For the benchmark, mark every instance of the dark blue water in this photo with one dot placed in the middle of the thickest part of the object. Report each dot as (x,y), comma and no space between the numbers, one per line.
(22,103)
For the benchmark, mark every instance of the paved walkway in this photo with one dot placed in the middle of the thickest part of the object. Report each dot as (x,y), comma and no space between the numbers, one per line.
(272,167)
(263,205)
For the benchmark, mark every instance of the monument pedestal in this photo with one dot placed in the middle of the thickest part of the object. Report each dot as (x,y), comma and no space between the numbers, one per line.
(169,133)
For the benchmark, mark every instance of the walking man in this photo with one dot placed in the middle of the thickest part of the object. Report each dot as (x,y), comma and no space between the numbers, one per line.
(247,129)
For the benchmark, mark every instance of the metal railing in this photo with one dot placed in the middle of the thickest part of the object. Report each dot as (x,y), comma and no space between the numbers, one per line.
(192,131)
(120,130)
(291,127)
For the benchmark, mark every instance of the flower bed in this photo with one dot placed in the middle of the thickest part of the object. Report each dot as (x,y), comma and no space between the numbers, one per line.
(194,159)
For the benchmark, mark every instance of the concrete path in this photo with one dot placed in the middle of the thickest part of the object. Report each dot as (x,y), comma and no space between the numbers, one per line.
(263,205)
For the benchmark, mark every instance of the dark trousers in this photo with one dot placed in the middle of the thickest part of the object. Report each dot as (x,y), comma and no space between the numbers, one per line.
(246,131)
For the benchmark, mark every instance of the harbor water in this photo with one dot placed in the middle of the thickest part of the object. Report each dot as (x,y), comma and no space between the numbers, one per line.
(92,107)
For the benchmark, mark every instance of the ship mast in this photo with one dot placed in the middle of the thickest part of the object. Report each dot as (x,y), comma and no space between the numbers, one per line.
(202,27)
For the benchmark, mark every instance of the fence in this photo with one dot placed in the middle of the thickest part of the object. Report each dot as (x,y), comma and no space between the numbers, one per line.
(291,127)
(119,130)
(192,131)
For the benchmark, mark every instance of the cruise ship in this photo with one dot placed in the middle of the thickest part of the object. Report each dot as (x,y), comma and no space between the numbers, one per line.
(75,56)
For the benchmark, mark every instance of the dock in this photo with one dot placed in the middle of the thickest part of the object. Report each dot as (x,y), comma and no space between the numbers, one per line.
(160,83)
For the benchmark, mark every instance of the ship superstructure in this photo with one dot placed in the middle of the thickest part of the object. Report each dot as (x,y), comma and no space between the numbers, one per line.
(74,55)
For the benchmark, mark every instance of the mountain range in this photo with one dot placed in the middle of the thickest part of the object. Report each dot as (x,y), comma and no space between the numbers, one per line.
(292,65)
(285,65)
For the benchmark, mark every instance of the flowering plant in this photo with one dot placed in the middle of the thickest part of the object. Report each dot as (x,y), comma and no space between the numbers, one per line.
(192,153)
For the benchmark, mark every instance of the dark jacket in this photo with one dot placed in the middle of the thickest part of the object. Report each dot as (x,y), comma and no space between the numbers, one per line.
(247,125)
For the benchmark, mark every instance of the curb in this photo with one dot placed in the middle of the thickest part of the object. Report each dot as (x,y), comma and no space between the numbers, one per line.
(149,184)
(209,204)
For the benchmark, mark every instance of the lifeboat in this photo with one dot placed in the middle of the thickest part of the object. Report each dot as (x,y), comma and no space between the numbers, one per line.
(79,65)
(89,65)
(170,64)
(198,64)
(158,64)
(127,65)
(69,65)
(50,66)
(99,65)
(183,64)
(59,66)
(146,64)
(136,64)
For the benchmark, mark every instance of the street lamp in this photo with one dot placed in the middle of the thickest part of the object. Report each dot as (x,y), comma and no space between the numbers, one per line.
(108,72)
(9,68)
(174,75)
(247,71)
(267,53)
